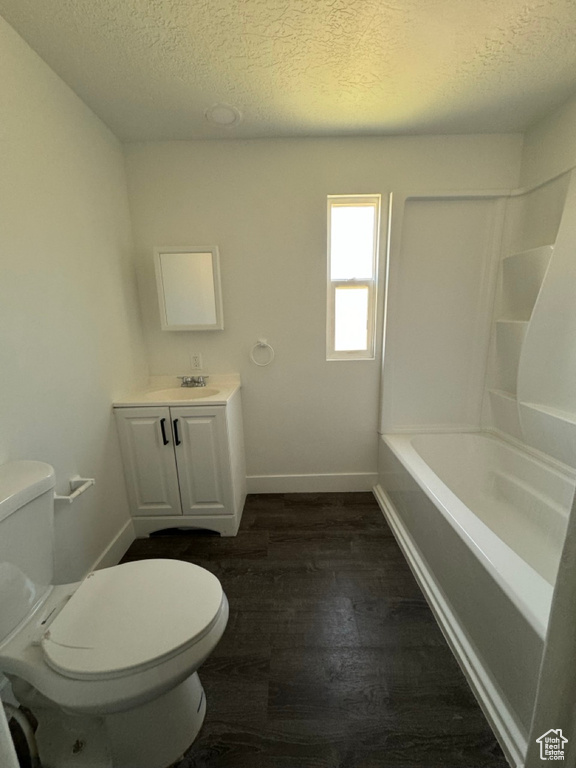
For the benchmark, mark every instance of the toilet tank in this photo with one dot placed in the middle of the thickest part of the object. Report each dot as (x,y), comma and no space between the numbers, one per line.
(26,540)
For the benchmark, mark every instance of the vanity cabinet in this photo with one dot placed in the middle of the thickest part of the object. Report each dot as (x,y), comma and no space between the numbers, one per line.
(184,465)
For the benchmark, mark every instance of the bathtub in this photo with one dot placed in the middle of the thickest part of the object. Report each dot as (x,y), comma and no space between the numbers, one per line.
(482,524)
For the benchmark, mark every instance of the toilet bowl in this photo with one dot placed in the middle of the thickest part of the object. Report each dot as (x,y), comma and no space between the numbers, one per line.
(106,665)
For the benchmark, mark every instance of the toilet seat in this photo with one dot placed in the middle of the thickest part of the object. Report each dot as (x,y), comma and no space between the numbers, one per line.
(115,624)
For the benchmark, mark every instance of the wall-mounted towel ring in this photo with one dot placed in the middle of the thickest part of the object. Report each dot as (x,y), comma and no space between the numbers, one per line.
(262,344)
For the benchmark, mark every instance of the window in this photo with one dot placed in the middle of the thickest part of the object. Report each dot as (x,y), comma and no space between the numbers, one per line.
(353,229)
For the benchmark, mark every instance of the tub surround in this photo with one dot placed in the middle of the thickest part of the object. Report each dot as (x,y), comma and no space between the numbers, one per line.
(491,605)
(482,525)
(482,516)
(500,515)
(522,500)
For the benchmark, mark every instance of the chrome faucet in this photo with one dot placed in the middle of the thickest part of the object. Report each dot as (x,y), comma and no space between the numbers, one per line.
(193,381)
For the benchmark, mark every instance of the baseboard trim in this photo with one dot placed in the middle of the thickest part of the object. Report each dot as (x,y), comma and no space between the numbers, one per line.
(116,549)
(493,705)
(353,481)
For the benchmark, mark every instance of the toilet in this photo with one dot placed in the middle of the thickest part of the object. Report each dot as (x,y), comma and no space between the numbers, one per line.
(106,665)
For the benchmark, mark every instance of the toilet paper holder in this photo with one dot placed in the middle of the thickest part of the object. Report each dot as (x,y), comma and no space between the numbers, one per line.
(78,485)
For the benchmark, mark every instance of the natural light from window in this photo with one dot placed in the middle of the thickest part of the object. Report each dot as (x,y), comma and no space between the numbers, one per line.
(352,242)
(350,319)
(353,223)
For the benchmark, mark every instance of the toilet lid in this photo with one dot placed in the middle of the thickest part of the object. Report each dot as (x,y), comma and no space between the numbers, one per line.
(131,616)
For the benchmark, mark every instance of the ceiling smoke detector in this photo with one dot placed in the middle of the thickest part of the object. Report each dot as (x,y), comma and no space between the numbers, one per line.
(223,114)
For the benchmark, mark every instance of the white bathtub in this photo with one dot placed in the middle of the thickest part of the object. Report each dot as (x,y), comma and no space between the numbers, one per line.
(482,525)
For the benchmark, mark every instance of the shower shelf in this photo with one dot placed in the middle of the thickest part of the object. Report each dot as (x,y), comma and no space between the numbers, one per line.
(509,339)
(542,251)
(555,413)
(551,430)
(505,411)
(522,276)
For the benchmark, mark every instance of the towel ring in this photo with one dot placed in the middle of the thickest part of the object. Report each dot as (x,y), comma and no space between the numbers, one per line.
(262,344)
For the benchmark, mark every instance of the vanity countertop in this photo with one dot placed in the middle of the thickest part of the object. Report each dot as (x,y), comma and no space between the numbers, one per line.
(165,390)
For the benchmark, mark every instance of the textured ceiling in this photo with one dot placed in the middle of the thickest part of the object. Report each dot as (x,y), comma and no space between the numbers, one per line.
(151,68)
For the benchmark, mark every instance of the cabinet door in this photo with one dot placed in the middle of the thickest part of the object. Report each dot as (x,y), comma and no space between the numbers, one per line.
(203,460)
(149,462)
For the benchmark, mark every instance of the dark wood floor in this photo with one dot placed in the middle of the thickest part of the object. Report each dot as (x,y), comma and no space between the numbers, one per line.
(331,657)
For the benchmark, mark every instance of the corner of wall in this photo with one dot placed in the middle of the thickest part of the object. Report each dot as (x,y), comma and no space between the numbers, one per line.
(549,146)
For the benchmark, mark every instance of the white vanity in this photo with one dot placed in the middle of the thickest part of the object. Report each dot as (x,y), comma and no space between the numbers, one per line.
(183,452)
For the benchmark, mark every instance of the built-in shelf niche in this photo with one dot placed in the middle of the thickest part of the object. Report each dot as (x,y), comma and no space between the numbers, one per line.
(509,339)
(530,359)
(546,391)
(551,430)
(522,276)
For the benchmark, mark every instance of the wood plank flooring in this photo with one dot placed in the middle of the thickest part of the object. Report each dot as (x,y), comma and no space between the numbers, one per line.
(331,657)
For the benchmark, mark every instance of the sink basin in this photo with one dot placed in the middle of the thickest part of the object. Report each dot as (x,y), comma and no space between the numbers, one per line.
(182,393)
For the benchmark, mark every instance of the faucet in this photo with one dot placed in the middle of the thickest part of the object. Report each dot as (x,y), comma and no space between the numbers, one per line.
(193,381)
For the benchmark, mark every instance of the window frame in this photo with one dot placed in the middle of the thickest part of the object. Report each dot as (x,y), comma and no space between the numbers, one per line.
(374,200)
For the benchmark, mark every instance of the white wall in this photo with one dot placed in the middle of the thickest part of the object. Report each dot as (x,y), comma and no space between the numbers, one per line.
(263,203)
(550,146)
(69,327)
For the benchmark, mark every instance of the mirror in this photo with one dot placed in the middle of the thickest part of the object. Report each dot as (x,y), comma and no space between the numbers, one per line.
(189,292)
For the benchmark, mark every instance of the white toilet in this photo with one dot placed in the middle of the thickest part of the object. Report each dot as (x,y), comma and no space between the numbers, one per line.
(107,665)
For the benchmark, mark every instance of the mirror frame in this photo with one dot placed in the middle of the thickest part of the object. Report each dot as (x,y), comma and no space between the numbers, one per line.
(213,249)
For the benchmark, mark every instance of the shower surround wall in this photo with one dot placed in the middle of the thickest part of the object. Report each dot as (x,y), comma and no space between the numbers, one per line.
(442,273)
(528,399)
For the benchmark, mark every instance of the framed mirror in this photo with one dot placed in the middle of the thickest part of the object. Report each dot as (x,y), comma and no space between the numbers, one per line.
(189,291)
